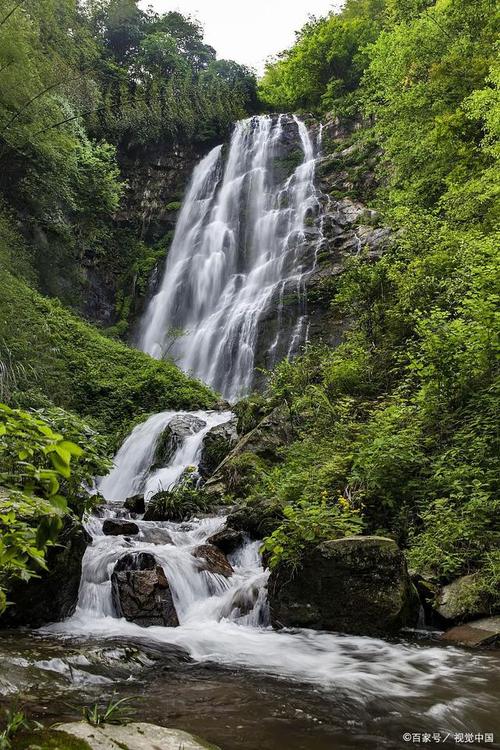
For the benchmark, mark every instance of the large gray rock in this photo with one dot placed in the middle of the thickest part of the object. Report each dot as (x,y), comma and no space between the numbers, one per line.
(172,437)
(356,585)
(262,444)
(453,600)
(217,443)
(133,736)
(141,592)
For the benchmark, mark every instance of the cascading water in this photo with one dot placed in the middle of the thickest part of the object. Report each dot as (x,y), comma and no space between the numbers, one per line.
(239,250)
(239,246)
(225,620)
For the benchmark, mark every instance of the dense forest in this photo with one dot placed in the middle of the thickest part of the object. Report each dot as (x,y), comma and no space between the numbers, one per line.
(80,82)
(398,426)
(395,431)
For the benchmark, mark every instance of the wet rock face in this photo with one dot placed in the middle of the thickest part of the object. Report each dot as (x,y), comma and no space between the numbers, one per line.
(357,585)
(257,518)
(135,504)
(483,633)
(172,437)
(218,442)
(264,443)
(213,560)
(141,592)
(53,595)
(227,540)
(118,526)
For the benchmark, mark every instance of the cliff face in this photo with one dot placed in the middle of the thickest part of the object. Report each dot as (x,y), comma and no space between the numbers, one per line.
(155,177)
(341,227)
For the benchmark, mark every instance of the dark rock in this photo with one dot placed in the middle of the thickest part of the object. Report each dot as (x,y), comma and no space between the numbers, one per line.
(354,585)
(141,592)
(172,437)
(212,560)
(135,504)
(264,442)
(53,595)
(118,526)
(226,540)
(217,443)
(256,518)
(483,633)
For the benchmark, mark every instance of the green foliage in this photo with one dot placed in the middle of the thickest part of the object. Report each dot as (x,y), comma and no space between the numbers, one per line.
(115,712)
(39,485)
(15,721)
(180,503)
(308,524)
(67,362)
(402,418)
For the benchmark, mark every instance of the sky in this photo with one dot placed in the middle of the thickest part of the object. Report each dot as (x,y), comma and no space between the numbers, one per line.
(248,31)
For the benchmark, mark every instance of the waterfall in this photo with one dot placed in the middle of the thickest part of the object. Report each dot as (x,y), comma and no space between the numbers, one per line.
(240,245)
(225,620)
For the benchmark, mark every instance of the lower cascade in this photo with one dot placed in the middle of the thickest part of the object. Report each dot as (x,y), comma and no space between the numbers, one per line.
(220,611)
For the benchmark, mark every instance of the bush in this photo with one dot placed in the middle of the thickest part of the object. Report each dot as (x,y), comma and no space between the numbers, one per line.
(41,477)
(307,524)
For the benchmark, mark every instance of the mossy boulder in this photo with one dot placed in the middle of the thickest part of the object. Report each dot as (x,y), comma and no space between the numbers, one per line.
(258,449)
(217,443)
(357,585)
(458,600)
(133,736)
(258,518)
(173,436)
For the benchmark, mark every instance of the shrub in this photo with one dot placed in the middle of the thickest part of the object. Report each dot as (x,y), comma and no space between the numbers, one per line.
(307,524)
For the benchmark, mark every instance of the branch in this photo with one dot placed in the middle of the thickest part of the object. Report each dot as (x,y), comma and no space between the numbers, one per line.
(11,12)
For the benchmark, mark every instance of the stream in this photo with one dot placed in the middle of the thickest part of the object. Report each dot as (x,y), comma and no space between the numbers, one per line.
(223,672)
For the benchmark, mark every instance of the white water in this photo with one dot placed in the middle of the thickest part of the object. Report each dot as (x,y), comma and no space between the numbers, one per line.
(223,274)
(239,244)
(226,620)
(131,473)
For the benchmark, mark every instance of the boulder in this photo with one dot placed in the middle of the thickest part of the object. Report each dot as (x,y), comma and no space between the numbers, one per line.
(213,560)
(135,504)
(453,600)
(133,736)
(119,526)
(53,595)
(227,540)
(217,443)
(257,518)
(357,585)
(483,633)
(262,444)
(172,437)
(141,592)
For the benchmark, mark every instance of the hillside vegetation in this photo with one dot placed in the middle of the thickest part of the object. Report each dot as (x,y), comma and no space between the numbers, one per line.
(399,425)
(78,82)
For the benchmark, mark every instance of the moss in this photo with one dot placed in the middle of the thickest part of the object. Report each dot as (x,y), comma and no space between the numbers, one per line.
(174,206)
(48,739)
(61,358)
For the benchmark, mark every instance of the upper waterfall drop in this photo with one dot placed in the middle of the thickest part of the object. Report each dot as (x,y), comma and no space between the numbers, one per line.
(239,245)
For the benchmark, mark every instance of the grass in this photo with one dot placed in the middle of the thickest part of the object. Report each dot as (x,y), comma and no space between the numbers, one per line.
(52,357)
